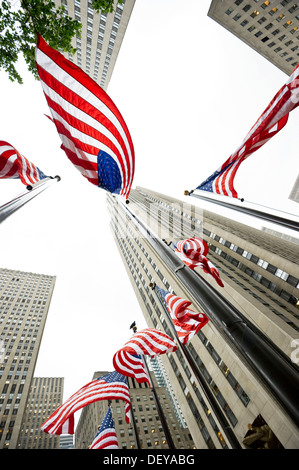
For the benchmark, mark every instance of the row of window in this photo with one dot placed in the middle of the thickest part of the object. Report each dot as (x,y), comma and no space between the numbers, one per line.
(261,20)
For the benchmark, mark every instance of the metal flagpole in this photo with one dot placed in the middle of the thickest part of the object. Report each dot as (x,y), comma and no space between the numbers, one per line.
(201,380)
(158,404)
(274,369)
(32,191)
(277,219)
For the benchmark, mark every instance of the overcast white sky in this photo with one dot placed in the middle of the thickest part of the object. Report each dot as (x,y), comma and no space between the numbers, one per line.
(189,92)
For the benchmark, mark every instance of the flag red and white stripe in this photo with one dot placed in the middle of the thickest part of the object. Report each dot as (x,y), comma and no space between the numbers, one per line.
(271,121)
(94,134)
(192,252)
(149,342)
(131,365)
(108,387)
(106,437)
(14,165)
(187,323)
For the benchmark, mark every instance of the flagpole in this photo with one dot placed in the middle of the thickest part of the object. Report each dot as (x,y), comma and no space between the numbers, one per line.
(158,404)
(276,219)
(275,370)
(32,191)
(135,428)
(226,427)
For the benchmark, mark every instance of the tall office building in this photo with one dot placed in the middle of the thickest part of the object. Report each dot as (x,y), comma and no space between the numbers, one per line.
(222,380)
(149,428)
(271,28)
(24,303)
(45,396)
(101,37)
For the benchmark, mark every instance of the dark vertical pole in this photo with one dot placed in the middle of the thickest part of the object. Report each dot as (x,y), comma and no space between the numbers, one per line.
(158,404)
(201,380)
(32,191)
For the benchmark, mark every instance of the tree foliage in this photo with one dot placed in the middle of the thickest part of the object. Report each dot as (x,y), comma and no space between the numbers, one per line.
(19,28)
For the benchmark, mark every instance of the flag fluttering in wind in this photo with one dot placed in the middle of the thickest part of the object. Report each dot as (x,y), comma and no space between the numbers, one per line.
(106,437)
(94,134)
(271,121)
(192,252)
(186,322)
(149,342)
(112,386)
(131,365)
(14,165)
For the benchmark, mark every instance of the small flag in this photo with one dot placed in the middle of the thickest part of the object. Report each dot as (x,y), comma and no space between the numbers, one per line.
(106,437)
(14,165)
(187,323)
(192,252)
(150,342)
(94,134)
(112,386)
(131,365)
(271,121)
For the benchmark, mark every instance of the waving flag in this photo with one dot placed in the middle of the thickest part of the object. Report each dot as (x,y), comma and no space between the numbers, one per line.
(94,134)
(271,121)
(186,322)
(106,437)
(14,165)
(131,365)
(150,342)
(112,386)
(192,252)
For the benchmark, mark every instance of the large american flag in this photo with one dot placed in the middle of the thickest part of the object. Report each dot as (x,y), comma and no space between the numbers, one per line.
(150,342)
(94,134)
(14,165)
(186,322)
(271,121)
(112,386)
(192,252)
(106,437)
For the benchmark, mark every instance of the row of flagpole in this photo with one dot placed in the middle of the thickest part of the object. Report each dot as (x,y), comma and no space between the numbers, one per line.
(274,369)
(227,429)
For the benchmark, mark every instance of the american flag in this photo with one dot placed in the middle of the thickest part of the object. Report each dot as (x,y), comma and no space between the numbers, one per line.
(131,365)
(106,437)
(192,252)
(150,342)
(14,165)
(271,121)
(112,386)
(186,322)
(94,134)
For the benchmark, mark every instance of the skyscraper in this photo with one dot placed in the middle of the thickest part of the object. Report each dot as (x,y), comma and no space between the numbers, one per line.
(149,428)
(101,37)
(24,303)
(222,378)
(45,396)
(270,28)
